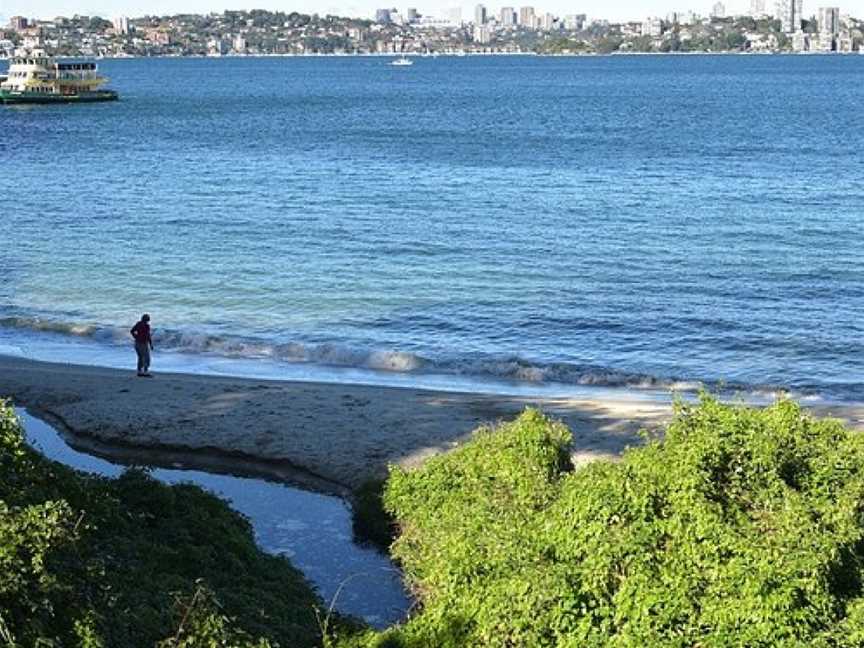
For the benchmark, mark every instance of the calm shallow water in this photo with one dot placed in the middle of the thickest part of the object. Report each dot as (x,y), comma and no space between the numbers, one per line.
(312,530)
(623,221)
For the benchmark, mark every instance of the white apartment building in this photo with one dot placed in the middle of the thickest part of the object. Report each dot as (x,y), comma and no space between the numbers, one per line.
(800,41)
(790,13)
(482,34)
(480,14)
(574,22)
(121,25)
(758,8)
(652,27)
(829,20)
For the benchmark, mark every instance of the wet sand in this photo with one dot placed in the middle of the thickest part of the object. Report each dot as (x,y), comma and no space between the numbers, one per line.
(337,434)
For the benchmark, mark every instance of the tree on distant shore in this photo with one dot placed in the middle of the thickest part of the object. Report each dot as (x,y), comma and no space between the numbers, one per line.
(609,44)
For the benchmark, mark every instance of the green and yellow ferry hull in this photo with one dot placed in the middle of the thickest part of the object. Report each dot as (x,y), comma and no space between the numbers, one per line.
(10,97)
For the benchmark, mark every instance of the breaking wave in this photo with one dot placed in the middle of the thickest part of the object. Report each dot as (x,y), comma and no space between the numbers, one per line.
(510,368)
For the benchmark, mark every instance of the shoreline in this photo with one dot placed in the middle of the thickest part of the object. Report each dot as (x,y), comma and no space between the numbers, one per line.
(205,459)
(326,437)
(467,53)
(343,434)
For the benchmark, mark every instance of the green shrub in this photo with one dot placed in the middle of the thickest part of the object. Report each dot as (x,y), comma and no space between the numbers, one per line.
(741,527)
(87,561)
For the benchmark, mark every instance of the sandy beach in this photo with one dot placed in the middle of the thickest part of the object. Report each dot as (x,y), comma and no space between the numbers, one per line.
(336,435)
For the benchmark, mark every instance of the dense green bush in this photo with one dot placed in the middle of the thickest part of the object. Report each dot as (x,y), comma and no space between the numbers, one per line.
(741,527)
(91,562)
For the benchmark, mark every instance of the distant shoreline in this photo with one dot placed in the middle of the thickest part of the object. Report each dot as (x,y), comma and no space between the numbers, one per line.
(468,54)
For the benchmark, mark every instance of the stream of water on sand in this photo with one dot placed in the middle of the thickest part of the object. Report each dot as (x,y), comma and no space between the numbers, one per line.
(312,530)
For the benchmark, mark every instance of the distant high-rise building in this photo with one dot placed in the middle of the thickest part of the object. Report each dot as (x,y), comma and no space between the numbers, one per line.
(718,10)
(575,22)
(382,16)
(121,25)
(790,12)
(547,23)
(508,17)
(526,17)
(829,20)
(18,23)
(480,15)
(412,15)
(757,8)
(239,44)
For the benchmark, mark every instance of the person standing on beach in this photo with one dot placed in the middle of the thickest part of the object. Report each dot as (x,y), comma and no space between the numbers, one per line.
(143,345)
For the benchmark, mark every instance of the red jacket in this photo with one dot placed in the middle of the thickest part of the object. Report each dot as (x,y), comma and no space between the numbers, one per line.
(141,333)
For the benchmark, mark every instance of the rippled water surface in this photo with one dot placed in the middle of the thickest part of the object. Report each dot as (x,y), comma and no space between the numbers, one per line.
(617,221)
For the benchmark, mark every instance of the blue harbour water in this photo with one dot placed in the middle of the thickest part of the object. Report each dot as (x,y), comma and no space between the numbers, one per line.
(624,222)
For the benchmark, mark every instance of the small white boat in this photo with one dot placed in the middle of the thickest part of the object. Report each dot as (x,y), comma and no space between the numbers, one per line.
(402,60)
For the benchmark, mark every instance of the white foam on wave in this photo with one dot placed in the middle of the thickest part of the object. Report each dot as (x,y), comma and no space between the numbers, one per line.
(86,343)
(11,350)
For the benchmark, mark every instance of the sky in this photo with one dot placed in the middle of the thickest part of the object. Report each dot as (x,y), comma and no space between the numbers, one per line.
(615,10)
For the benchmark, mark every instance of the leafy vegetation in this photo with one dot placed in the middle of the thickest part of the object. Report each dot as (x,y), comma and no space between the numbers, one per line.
(93,562)
(742,527)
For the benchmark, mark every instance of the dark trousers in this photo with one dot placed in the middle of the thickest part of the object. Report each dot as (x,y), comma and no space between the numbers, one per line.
(143,352)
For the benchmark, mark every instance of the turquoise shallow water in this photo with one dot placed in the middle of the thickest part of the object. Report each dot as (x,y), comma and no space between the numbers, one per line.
(638,222)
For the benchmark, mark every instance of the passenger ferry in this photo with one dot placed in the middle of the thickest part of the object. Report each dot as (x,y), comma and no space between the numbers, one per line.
(35,77)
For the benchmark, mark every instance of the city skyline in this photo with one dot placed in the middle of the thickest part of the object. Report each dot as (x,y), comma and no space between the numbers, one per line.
(629,11)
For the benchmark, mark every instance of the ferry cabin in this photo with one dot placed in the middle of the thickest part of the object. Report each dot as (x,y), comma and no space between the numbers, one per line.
(40,74)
